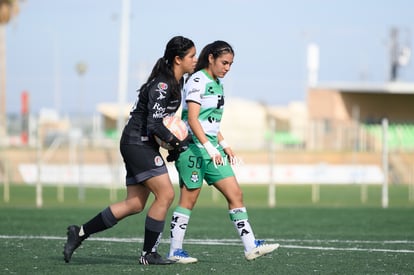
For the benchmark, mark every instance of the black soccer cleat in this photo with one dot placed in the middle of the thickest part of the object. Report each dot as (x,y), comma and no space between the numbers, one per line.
(153,258)
(73,241)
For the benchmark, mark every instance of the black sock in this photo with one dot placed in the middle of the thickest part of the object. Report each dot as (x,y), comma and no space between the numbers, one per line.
(153,232)
(100,222)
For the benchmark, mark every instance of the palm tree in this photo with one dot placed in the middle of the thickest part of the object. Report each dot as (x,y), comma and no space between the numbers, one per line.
(8,9)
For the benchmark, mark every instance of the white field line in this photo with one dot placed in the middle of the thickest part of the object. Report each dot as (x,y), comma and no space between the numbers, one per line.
(238,242)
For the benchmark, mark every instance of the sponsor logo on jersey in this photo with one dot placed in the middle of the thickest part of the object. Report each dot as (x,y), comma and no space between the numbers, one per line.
(162,89)
(192,91)
(158,161)
(220,102)
(213,119)
(161,95)
(159,111)
(196,79)
(162,86)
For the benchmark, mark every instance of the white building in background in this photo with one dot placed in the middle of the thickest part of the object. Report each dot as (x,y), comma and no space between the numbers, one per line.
(246,124)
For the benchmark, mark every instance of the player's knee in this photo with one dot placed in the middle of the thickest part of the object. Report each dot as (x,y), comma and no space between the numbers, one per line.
(170,197)
(167,198)
(134,206)
(238,195)
(236,199)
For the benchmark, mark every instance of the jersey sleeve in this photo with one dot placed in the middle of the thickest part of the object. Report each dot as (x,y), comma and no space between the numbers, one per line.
(194,89)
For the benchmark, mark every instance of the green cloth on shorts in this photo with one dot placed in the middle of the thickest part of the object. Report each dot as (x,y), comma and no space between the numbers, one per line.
(195,165)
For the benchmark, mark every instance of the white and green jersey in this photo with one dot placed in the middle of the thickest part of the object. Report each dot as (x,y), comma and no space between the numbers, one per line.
(201,88)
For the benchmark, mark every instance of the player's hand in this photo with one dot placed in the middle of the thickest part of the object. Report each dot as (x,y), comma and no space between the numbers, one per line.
(185,143)
(231,157)
(181,147)
(172,155)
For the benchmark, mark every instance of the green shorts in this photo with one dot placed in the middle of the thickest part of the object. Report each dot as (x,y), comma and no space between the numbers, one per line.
(194,165)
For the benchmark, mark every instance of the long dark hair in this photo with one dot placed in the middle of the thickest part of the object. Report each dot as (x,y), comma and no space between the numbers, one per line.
(177,46)
(216,48)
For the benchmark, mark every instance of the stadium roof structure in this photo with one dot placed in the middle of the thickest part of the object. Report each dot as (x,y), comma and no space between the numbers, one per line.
(394,87)
(342,101)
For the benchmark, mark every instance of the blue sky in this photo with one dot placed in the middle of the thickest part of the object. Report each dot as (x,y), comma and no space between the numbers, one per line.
(49,37)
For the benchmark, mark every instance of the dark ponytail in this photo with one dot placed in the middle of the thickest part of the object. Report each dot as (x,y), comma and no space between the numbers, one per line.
(177,46)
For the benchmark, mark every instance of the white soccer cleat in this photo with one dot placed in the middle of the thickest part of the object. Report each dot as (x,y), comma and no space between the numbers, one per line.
(181,256)
(260,250)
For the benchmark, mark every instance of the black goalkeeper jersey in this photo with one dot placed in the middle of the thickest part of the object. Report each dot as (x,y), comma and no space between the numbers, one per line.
(153,103)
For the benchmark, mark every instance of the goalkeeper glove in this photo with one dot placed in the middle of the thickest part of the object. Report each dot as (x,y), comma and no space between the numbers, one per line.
(181,146)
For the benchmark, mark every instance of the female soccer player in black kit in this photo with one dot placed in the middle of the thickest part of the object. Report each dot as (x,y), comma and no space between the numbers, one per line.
(146,172)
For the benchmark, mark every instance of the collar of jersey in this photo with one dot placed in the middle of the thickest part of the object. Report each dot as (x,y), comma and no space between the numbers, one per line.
(210,77)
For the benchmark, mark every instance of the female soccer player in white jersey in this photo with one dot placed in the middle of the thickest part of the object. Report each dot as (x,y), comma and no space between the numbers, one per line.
(146,172)
(209,157)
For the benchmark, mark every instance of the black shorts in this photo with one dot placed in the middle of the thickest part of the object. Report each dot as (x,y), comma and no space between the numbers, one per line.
(142,162)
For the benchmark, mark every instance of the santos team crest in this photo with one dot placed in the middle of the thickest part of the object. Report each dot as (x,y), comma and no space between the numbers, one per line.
(194,176)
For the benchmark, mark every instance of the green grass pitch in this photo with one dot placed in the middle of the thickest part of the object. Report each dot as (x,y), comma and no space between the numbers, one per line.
(337,235)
